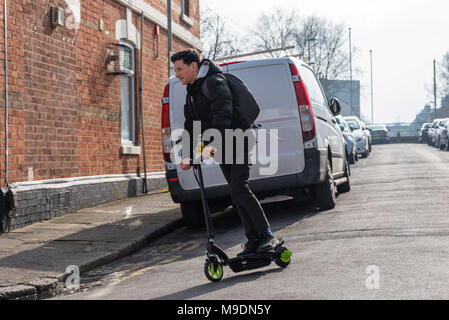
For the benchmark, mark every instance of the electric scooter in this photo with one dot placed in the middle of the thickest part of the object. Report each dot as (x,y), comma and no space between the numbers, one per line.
(217,258)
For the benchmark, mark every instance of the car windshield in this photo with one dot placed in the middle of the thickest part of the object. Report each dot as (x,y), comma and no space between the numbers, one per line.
(353,123)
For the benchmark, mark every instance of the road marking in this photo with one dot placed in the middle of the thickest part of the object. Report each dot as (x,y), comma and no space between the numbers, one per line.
(138,272)
(169,260)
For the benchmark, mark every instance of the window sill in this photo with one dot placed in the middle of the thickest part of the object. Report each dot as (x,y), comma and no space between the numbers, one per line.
(187,20)
(130,150)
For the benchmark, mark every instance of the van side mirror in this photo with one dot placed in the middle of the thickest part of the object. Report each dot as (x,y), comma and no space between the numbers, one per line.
(335,107)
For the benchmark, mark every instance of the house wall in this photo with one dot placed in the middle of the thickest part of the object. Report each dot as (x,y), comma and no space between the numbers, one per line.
(64,110)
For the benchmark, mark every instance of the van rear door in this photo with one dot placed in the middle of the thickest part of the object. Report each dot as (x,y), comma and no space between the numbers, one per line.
(270,81)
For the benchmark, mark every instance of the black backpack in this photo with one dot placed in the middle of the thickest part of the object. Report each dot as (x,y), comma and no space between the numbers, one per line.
(243,101)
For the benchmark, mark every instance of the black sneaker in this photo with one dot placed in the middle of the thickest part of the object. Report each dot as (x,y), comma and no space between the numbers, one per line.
(249,247)
(268,243)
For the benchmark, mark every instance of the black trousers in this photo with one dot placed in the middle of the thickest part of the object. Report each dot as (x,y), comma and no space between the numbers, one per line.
(250,211)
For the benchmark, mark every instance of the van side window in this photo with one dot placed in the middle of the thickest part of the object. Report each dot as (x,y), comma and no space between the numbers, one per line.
(312,86)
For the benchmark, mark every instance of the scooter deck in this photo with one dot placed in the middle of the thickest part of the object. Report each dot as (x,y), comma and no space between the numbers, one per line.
(254,260)
(240,264)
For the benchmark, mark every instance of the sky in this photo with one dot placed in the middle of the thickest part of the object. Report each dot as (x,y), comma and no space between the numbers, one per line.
(405,36)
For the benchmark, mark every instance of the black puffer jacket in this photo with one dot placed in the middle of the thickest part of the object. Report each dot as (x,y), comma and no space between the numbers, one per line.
(214,111)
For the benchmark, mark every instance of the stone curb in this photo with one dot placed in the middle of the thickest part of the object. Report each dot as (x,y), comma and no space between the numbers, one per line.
(47,285)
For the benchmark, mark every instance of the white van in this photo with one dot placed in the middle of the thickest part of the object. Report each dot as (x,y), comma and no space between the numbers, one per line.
(311,157)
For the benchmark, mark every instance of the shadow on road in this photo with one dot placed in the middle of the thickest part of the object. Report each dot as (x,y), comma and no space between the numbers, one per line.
(209,287)
(186,244)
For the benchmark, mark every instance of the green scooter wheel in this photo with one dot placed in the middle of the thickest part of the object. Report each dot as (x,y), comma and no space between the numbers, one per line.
(283,258)
(213,271)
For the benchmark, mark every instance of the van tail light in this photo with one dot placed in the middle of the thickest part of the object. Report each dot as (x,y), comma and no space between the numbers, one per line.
(166,132)
(304,105)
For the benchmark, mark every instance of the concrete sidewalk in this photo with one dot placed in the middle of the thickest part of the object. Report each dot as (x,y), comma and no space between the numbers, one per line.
(34,259)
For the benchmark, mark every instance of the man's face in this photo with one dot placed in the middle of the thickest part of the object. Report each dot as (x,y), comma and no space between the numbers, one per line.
(186,73)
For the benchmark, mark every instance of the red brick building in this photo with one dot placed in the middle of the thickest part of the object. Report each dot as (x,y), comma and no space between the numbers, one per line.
(67,117)
(69,120)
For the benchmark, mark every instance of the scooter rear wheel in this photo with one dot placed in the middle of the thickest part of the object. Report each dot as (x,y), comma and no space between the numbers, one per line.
(283,257)
(213,271)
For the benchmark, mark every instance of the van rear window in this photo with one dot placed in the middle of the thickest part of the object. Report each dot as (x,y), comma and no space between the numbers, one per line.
(271,85)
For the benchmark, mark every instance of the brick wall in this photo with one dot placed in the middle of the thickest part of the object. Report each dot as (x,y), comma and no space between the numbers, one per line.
(64,116)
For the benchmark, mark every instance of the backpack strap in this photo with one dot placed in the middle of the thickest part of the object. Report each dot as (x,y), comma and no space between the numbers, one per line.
(205,89)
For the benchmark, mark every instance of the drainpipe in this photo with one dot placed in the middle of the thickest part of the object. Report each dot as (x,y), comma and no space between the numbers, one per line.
(6,92)
(145,184)
(170,37)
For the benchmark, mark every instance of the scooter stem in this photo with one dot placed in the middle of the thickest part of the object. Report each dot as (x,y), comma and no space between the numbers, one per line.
(207,214)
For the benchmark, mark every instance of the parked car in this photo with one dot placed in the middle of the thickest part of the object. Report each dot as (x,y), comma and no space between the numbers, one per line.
(350,141)
(379,134)
(311,157)
(367,132)
(424,133)
(438,130)
(360,134)
(432,132)
(444,137)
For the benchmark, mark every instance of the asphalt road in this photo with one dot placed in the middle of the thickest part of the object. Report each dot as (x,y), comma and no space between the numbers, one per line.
(386,239)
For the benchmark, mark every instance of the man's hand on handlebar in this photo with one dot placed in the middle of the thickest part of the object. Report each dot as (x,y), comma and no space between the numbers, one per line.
(186,164)
(206,154)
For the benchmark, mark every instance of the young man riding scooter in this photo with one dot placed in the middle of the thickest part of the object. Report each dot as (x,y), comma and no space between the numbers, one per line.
(216,112)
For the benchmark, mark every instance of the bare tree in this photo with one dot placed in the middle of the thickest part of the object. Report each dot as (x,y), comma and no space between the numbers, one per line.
(321,43)
(324,45)
(217,40)
(318,41)
(274,31)
(444,75)
(442,82)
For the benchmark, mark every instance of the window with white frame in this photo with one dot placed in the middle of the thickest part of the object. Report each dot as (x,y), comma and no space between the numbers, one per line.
(127,114)
(186,7)
(185,13)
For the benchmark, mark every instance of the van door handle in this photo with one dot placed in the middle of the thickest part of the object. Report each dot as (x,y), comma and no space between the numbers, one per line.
(334,121)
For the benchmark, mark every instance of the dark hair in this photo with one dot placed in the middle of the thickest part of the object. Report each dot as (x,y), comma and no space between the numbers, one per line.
(187,56)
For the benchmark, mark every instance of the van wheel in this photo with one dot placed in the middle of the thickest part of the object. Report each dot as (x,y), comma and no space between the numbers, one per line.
(192,214)
(345,187)
(325,191)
